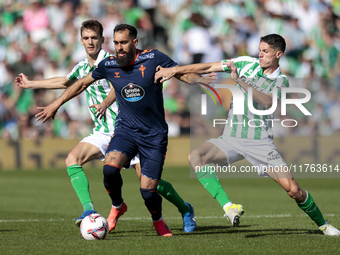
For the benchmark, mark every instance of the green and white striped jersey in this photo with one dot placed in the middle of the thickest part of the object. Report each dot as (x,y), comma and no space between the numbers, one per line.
(250,125)
(96,93)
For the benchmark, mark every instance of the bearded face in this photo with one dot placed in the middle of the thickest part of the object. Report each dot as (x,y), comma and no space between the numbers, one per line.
(125,47)
(125,57)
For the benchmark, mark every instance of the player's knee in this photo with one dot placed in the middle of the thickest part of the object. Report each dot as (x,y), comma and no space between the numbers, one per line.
(294,192)
(108,157)
(194,156)
(71,160)
(110,170)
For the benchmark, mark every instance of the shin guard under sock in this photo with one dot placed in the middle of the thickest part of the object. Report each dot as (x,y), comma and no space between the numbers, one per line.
(113,183)
(153,202)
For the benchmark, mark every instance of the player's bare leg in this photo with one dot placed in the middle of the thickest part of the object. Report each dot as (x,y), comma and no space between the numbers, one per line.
(138,169)
(303,199)
(166,190)
(83,152)
(286,180)
(113,183)
(147,183)
(207,153)
(199,159)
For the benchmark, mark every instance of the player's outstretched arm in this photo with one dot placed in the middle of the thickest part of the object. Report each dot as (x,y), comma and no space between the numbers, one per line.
(164,74)
(263,99)
(74,90)
(52,83)
(102,107)
(195,79)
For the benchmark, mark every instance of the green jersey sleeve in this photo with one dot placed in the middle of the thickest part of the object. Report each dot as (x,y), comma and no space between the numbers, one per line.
(75,73)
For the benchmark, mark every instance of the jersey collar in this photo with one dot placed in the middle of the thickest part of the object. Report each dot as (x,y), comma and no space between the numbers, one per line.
(272,75)
(99,58)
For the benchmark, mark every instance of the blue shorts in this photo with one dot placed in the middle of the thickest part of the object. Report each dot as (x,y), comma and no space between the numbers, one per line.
(151,151)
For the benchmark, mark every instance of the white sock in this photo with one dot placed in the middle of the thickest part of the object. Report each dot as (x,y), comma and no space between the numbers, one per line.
(226,205)
(326,223)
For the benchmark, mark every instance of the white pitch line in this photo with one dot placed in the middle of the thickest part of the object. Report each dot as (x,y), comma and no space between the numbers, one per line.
(244,216)
(32,220)
(177,218)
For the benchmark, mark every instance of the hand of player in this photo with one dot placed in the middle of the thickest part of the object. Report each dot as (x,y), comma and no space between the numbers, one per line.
(46,113)
(164,74)
(233,70)
(208,79)
(100,110)
(22,81)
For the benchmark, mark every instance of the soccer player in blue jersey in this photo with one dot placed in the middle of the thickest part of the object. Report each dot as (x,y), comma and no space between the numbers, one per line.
(140,125)
(94,145)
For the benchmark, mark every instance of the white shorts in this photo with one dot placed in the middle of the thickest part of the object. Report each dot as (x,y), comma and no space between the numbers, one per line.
(101,140)
(260,153)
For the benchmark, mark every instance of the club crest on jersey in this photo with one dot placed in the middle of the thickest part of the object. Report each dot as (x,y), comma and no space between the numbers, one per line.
(132,92)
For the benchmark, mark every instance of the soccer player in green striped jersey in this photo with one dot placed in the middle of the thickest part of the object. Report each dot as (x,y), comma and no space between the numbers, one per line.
(252,142)
(103,110)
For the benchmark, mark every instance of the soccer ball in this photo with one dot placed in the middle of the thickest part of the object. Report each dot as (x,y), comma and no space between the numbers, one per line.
(94,227)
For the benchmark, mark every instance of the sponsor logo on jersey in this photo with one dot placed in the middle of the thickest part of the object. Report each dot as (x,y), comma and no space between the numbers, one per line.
(255,79)
(146,56)
(252,84)
(97,83)
(271,156)
(117,75)
(111,63)
(132,92)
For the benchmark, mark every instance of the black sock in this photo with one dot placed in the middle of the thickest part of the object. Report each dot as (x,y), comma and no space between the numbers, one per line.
(153,202)
(113,183)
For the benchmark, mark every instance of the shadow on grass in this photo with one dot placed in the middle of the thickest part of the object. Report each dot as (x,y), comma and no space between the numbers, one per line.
(208,228)
(205,230)
(272,232)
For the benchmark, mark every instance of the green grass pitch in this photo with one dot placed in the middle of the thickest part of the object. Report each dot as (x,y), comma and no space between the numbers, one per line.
(38,209)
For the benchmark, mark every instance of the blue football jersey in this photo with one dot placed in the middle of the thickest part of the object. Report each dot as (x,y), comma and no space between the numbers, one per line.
(140,100)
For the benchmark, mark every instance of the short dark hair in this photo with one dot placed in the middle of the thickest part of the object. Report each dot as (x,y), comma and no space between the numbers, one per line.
(275,41)
(122,27)
(93,25)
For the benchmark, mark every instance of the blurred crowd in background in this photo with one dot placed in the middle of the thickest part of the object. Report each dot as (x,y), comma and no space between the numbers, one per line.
(41,39)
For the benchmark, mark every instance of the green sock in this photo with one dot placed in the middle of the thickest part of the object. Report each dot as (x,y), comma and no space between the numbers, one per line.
(310,207)
(169,193)
(211,183)
(81,185)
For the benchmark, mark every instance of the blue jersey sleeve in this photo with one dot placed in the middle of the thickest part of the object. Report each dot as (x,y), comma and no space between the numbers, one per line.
(164,60)
(100,72)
